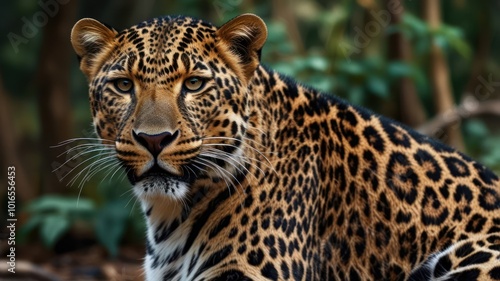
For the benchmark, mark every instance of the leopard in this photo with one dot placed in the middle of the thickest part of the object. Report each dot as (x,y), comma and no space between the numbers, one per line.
(242,173)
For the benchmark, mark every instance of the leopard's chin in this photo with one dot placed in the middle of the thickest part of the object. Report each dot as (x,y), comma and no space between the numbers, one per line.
(158,182)
(160,186)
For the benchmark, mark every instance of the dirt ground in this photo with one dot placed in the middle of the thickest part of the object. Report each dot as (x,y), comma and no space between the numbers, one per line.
(36,263)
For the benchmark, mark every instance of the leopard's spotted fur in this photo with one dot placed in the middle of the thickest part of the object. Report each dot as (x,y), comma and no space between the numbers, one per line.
(245,174)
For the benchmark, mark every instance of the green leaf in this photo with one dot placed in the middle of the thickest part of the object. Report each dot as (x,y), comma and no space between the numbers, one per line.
(356,95)
(318,63)
(110,224)
(378,86)
(418,26)
(451,36)
(33,222)
(476,128)
(52,228)
(352,67)
(60,204)
(399,69)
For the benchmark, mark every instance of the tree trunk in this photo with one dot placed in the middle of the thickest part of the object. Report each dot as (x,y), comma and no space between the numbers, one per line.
(281,11)
(411,111)
(440,78)
(53,84)
(481,56)
(8,148)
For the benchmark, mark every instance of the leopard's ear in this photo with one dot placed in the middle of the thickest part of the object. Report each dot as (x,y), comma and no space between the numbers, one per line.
(244,36)
(91,41)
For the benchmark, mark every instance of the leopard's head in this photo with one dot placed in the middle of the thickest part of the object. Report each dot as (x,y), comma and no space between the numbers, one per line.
(170,94)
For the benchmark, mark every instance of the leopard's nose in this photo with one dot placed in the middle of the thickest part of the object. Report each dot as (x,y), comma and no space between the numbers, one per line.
(157,142)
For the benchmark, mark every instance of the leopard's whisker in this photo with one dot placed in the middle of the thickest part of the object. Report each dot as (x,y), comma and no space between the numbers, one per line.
(89,166)
(85,161)
(96,169)
(80,139)
(81,153)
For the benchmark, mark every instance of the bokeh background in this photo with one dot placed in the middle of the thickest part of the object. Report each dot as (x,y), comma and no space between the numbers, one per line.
(433,65)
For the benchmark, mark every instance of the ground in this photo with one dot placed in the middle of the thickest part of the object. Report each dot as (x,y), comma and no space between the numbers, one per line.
(92,263)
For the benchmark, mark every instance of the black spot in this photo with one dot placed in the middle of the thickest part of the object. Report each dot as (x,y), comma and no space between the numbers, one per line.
(255,257)
(464,250)
(408,244)
(457,167)
(486,175)
(345,251)
(376,268)
(383,206)
(403,217)
(215,258)
(432,213)
(354,275)
(148,212)
(424,159)
(242,249)
(495,273)
(315,130)
(422,273)
(466,275)
(223,223)
(462,192)
(231,275)
(297,270)
(476,224)
(382,235)
(401,178)
(285,271)
(489,199)
(373,138)
(442,267)
(170,274)
(351,137)
(476,258)
(353,163)
(269,271)
(292,91)
(397,135)
(164,231)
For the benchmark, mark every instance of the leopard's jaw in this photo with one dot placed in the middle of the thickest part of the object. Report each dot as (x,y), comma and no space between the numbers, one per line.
(161,186)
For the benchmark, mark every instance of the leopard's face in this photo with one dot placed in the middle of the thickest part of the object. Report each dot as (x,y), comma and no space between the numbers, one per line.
(165,92)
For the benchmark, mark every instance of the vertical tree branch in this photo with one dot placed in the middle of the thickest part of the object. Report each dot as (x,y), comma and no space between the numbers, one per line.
(8,149)
(53,83)
(411,111)
(440,77)
(281,11)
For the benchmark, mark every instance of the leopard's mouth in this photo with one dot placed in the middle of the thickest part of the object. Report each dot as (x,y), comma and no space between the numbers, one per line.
(157,173)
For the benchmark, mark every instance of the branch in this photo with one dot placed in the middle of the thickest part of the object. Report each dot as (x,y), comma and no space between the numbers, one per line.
(470,107)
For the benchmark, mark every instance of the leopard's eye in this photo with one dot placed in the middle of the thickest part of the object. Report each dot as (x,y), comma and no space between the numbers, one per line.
(124,85)
(193,84)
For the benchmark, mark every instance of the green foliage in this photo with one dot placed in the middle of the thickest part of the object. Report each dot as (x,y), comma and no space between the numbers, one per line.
(482,142)
(421,35)
(110,225)
(53,216)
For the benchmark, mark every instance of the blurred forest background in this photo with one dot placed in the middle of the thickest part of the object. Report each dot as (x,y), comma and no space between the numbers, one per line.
(430,64)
